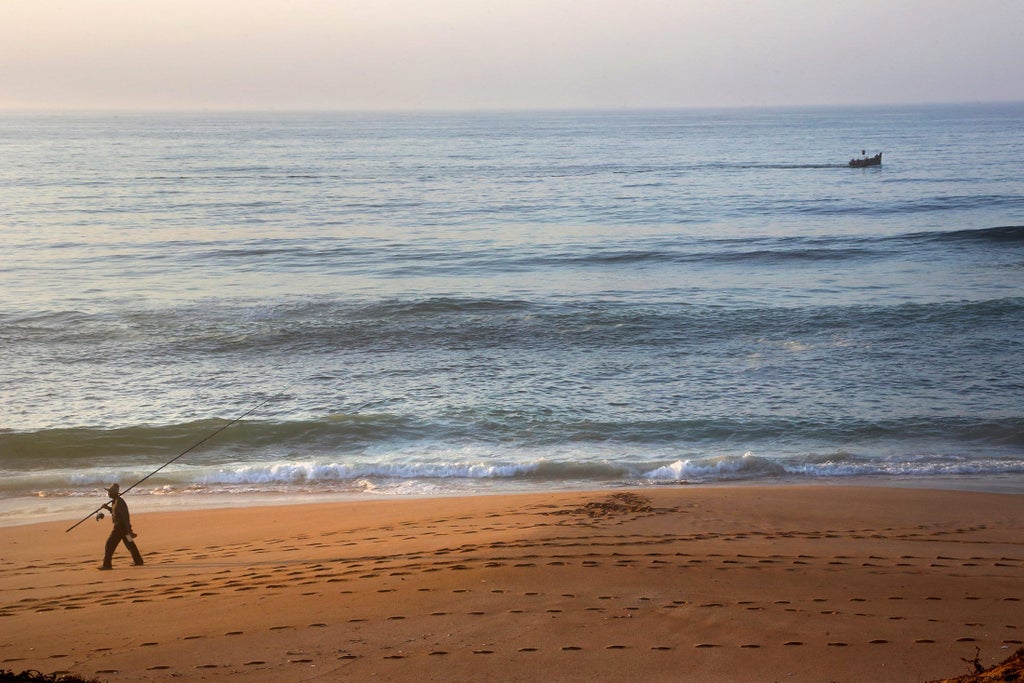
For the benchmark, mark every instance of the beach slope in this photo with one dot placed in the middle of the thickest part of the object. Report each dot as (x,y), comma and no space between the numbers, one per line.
(723,583)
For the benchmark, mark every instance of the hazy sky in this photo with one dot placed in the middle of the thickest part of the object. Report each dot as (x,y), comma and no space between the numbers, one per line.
(487,54)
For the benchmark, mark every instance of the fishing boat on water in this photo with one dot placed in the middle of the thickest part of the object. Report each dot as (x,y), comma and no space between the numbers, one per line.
(866,160)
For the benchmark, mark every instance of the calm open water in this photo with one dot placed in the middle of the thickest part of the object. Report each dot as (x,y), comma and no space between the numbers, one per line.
(461,303)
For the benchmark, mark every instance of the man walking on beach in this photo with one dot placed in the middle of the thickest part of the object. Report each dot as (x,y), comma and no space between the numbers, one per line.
(122,530)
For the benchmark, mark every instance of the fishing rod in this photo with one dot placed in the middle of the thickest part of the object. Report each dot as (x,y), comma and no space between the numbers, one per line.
(188,450)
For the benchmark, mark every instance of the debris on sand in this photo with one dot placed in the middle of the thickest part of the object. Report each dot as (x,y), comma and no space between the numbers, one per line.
(1011,670)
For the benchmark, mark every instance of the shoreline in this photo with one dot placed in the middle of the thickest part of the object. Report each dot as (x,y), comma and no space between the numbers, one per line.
(732,583)
(25,510)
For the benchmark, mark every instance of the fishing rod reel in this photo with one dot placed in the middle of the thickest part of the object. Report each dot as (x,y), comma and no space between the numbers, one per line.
(100,516)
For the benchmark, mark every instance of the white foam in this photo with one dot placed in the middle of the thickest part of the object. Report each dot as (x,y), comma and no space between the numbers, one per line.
(717,467)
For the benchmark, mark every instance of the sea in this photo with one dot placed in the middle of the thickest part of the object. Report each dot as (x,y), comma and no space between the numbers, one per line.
(236,308)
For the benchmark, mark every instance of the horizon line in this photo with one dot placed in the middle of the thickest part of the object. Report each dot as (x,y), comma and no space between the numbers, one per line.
(481,110)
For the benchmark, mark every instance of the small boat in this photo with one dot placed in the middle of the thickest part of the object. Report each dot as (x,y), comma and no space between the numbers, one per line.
(866,161)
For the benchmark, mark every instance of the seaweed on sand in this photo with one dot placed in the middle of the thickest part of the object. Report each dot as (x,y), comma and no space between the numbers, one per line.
(33,676)
(1010,670)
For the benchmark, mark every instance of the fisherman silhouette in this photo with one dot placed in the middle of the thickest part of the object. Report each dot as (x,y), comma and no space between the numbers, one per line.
(122,530)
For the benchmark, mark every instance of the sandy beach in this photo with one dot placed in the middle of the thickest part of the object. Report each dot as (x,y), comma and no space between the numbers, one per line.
(675,584)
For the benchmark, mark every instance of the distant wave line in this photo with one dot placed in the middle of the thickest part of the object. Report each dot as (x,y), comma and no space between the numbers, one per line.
(316,326)
(382,256)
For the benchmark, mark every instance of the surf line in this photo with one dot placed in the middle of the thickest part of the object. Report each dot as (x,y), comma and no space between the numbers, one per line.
(188,450)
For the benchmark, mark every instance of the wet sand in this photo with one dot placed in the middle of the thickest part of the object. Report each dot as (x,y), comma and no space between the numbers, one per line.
(673,584)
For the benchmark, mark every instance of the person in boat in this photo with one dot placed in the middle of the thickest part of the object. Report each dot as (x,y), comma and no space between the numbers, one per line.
(122,531)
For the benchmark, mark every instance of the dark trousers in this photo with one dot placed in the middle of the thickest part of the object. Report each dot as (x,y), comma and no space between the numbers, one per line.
(117,536)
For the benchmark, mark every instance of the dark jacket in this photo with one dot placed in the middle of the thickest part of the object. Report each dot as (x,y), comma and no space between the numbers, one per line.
(120,516)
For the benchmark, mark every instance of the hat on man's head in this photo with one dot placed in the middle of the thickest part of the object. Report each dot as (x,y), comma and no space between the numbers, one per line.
(114,489)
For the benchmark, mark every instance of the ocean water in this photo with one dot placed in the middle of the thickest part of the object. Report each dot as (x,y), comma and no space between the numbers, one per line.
(429,304)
